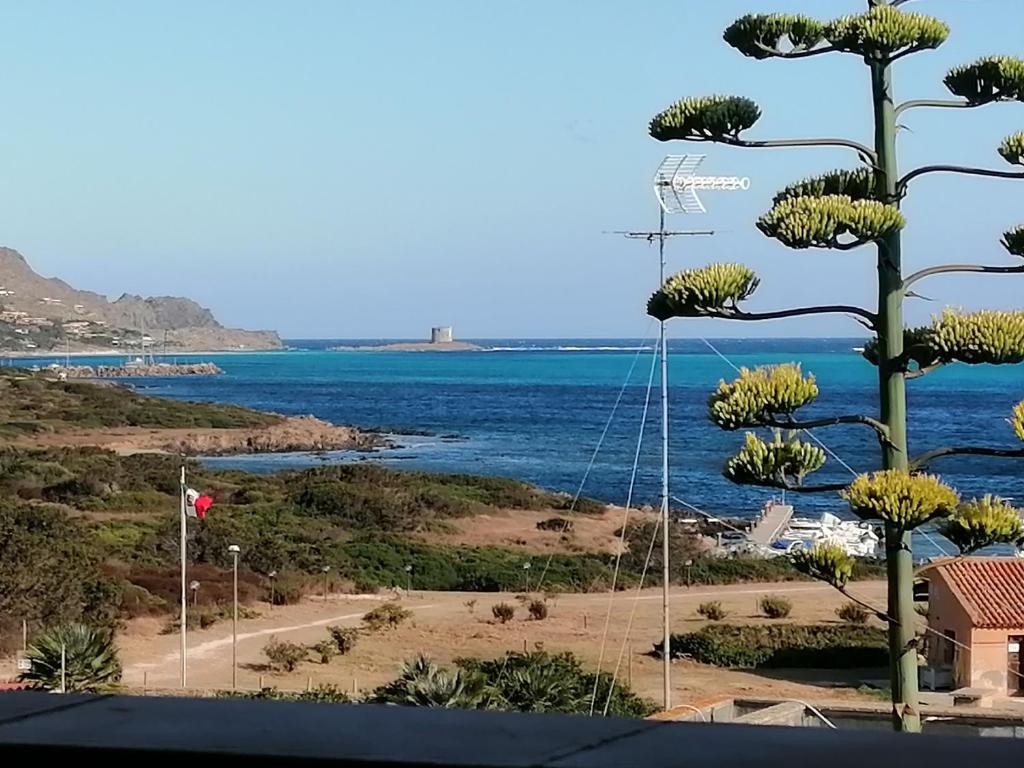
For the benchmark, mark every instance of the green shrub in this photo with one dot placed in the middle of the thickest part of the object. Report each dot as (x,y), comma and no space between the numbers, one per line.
(385,617)
(325,650)
(284,656)
(49,569)
(825,646)
(322,694)
(503,612)
(852,613)
(712,610)
(289,588)
(538,610)
(557,524)
(344,638)
(776,606)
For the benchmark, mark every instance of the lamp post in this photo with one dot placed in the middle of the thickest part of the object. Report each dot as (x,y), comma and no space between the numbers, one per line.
(194,586)
(326,569)
(408,578)
(526,574)
(235,551)
(272,576)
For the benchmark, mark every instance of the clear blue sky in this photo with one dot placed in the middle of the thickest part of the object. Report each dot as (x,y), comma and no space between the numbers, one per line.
(357,169)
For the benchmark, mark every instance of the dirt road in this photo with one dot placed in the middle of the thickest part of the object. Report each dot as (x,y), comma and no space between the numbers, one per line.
(447,625)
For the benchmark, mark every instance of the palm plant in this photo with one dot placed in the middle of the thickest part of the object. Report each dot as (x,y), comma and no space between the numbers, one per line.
(424,684)
(89,659)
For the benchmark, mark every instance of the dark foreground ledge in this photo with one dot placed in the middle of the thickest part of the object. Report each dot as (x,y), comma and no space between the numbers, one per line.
(37,727)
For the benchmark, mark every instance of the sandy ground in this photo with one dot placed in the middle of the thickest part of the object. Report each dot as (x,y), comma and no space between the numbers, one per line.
(444,627)
(517,529)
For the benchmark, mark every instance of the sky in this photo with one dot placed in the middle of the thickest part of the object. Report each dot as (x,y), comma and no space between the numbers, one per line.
(370,168)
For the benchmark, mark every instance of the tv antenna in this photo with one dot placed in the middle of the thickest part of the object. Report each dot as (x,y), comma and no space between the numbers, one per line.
(675,187)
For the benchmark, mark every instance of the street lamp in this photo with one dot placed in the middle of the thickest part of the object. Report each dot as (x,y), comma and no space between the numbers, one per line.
(194,586)
(272,575)
(526,574)
(326,569)
(234,550)
(408,578)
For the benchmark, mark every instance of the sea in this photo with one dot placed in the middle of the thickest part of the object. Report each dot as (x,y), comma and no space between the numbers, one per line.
(569,414)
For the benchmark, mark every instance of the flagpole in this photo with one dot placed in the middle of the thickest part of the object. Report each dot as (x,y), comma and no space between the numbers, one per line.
(184,601)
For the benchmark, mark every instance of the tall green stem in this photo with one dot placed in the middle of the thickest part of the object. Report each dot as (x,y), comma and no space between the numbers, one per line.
(893,396)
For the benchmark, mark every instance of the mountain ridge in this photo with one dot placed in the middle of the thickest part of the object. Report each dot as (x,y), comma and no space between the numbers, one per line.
(39,314)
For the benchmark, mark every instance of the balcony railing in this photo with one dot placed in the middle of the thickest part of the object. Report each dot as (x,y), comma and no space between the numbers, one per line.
(37,726)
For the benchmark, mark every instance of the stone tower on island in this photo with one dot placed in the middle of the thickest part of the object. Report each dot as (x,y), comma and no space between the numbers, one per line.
(441,334)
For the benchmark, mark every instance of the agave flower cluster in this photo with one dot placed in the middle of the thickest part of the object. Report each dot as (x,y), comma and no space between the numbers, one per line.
(761,396)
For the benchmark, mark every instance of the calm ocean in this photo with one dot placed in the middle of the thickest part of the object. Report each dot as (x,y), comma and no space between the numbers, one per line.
(536,410)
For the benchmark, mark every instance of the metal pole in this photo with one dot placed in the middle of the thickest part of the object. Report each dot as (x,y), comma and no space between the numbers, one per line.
(63,668)
(666,635)
(24,635)
(184,598)
(234,628)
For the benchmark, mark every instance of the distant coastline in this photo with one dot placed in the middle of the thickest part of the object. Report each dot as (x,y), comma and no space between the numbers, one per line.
(413,346)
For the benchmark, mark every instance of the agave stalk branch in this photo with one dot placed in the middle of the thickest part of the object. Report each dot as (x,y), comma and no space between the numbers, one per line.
(917,373)
(880,429)
(922,461)
(962,169)
(798,54)
(948,268)
(938,103)
(733,313)
(865,151)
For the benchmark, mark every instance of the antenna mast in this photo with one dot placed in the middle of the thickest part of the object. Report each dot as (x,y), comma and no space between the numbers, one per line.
(675,187)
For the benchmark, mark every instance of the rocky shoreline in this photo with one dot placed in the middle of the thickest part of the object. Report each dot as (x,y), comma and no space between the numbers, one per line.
(292,434)
(295,434)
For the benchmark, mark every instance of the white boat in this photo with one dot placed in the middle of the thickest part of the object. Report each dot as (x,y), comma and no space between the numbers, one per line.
(856,538)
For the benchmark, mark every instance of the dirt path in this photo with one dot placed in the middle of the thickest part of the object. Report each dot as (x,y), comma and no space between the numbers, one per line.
(447,625)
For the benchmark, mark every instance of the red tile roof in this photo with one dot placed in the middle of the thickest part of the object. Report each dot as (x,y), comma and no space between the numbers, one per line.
(991,590)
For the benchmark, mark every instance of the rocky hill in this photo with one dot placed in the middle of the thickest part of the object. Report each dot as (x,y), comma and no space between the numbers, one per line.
(38,314)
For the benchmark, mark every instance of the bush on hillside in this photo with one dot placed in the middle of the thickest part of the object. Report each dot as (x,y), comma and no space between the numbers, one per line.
(712,610)
(825,646)
(325,650)
(49,570)
(503,612)
(284,656)
(538,610)
(385,617)
(852,613)
(556,524)
(776,606)
(344,638)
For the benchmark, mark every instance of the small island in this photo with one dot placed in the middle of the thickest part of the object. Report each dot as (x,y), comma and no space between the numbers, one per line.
(441,340)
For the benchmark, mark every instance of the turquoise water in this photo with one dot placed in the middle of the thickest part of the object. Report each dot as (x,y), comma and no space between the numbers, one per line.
(536,411)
